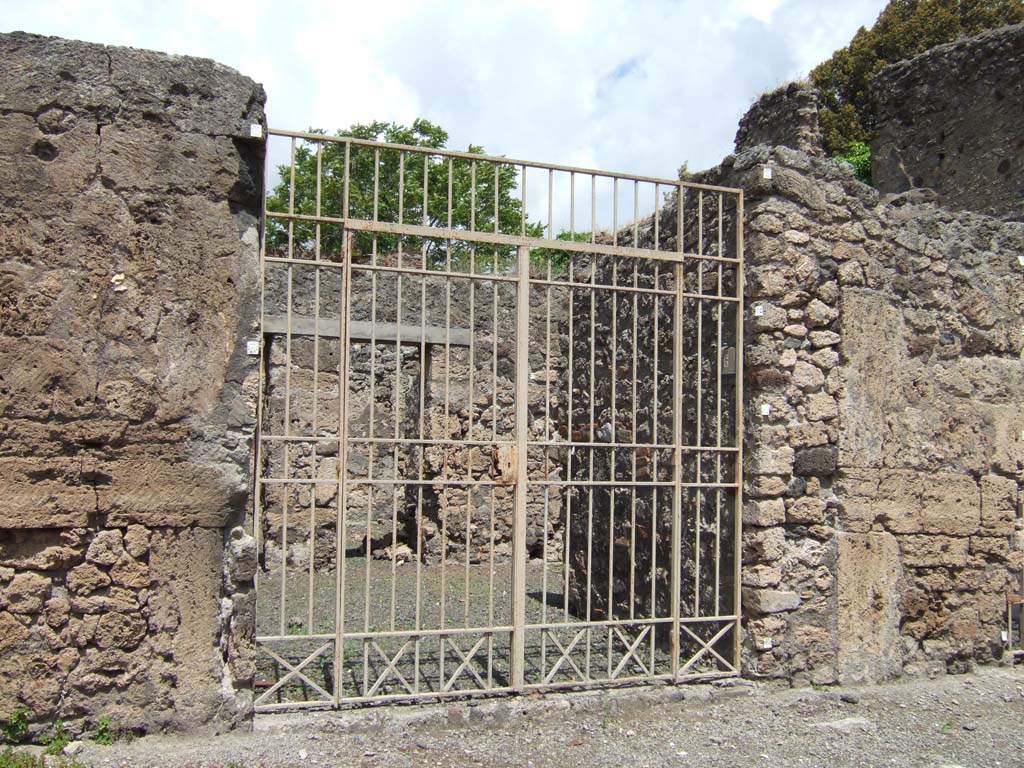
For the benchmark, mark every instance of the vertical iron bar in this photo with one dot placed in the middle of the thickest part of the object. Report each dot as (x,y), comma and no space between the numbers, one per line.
(699,434)
(340,521)
(615,210)
(257,468)
(424,362)
(522,425)
(395,447)
(592,489)
(469,397)
(737,478)
(720,306)
(570,438)
(348,147)
(401,203)
(547,467)
(551,193)
(572,207)
(633,450)
(636,213)
(593,211)
(316,370)
(613,462)
(657,217)
(677,439)
(522,214)
(376,184)
(287,399)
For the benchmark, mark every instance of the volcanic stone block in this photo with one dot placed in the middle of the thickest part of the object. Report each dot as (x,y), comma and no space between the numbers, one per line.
(870,579)
(949,121)
(816,462)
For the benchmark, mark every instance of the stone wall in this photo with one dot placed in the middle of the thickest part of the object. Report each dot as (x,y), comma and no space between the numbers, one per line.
(950,120)
(883,377)
(130,193)
(883,452)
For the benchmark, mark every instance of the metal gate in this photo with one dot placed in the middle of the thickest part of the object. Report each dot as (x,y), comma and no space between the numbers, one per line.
(495,454)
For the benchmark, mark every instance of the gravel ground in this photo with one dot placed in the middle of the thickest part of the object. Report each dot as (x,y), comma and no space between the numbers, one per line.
(967,720)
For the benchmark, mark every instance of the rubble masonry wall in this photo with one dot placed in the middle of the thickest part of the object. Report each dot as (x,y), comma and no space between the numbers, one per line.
(883,431)
(950,120)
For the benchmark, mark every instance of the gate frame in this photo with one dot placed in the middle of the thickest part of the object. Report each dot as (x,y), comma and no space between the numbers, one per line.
(523,245)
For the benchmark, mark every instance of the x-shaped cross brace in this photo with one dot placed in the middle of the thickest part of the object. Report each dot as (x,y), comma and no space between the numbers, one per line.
(390,668)
(706,648)
(631,649)
(565,651)
(293,671)
(465,659)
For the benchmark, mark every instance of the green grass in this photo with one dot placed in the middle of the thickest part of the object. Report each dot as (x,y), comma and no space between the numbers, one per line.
(16,728)
(105,733)
(58,740)
(11,759)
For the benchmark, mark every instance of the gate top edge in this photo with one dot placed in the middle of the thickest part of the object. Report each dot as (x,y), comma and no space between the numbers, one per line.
(437,151)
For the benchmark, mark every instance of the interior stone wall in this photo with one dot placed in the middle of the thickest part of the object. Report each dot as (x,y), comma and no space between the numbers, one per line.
(129,211)
(950,120)
(429,377)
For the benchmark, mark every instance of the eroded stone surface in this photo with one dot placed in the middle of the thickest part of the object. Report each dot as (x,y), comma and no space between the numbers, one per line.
(886,355)
(152,268)
(128,284)
(965,97)
(869,591)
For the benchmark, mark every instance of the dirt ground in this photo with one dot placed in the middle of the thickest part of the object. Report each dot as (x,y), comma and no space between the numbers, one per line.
(965,720)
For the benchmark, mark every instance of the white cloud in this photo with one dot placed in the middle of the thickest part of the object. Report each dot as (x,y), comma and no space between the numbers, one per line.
(629,85)
(761,10)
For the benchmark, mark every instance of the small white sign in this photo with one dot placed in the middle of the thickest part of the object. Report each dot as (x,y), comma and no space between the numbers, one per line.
(252,348)
(759,310)
(256,131)
(766,410)
(1020,260)
(766,172)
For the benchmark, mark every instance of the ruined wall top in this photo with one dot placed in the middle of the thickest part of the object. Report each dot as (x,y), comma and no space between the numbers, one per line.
(191,94)
(787,116)
(950,120)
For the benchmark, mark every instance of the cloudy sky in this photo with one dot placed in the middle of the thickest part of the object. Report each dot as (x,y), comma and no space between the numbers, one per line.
(627,85)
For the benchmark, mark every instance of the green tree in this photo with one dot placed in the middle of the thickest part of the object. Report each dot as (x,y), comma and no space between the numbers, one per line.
(387,184)
(903,29)
(559,259)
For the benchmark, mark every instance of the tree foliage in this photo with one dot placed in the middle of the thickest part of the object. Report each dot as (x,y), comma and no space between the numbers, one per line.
(392,186)
(559,259)
(904,28)
(858,155)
